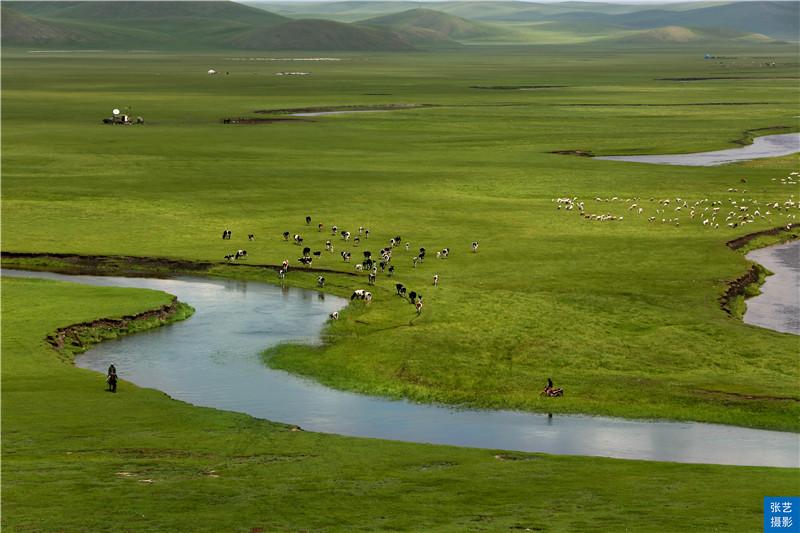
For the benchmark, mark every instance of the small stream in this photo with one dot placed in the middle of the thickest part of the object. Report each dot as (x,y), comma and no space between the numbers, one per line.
(213,359)
(766,146)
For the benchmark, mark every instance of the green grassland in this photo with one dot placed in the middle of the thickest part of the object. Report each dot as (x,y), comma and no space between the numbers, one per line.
(623,314)
(77,458)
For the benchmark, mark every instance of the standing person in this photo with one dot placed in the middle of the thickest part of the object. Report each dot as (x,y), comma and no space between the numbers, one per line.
(111,379)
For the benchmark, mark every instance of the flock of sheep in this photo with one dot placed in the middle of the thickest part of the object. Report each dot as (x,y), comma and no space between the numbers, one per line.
(733,212)
(372,265)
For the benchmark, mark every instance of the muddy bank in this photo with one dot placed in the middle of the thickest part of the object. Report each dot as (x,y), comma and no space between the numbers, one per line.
(739,242)
(753,275)
(579,153)
(342,108)
(78,338)
(738,287)
(132,266)
(260,120)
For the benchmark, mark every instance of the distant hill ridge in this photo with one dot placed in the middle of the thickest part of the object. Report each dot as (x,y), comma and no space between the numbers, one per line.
(182,25)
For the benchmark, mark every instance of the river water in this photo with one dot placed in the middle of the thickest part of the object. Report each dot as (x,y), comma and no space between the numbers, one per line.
(778,305)
(766,146)
(212,359)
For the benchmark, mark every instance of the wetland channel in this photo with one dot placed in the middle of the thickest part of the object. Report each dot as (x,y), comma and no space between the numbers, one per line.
(766,146)
(213,359)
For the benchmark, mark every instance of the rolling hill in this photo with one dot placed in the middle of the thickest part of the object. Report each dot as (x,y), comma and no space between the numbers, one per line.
(22,29)
(310,34)
(683,35)
(443,24)
(180,25)
(779,20)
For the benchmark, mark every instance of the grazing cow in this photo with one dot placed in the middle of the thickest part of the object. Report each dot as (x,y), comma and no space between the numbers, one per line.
(366,233)
(320,227)
(400,288)
(391,270)
(285,235)
(414,260)
(306,251)
(368,263)
(372,278)
(305,261)
(241,254)
(368,297)
(408,245)
(358,294)
(359,268)
(320,281)
(308,220)
(285,264)
(421,254)
(444,253)
(367,254)
(375,270)
(397,240)
(231,257)
(317,253)
(334,229)
(474,246)
(345,235)
(382,264)
(419,307)
(328,246)
(282,273)
(334,315)
(356,241)
(412,296)
(251,237)
(436,280)
(298,239)
(226,235)
(360,230)
(345,257)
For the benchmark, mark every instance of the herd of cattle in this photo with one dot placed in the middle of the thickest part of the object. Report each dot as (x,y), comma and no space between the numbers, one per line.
(381,262)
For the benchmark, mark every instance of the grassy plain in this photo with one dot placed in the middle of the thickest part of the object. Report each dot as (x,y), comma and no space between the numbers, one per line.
(623,314)
(76,458)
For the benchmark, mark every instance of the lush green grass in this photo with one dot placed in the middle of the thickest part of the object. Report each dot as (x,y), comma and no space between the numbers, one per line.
(77,458)
(623,314)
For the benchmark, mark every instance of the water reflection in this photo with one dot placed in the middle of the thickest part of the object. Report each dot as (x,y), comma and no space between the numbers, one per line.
(213,360)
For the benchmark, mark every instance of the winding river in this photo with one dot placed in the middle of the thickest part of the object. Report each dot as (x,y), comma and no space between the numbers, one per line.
(766,146)
(212,359)
(778,305)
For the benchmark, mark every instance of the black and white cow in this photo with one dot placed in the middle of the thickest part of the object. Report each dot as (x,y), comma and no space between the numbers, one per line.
(305,261)
(334,315)
(251,237)
(308,220)
(372,278)
(285,235)
(400,288)
(306,251)
(474,246)
(321,281)
(345,257)
(298,239)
